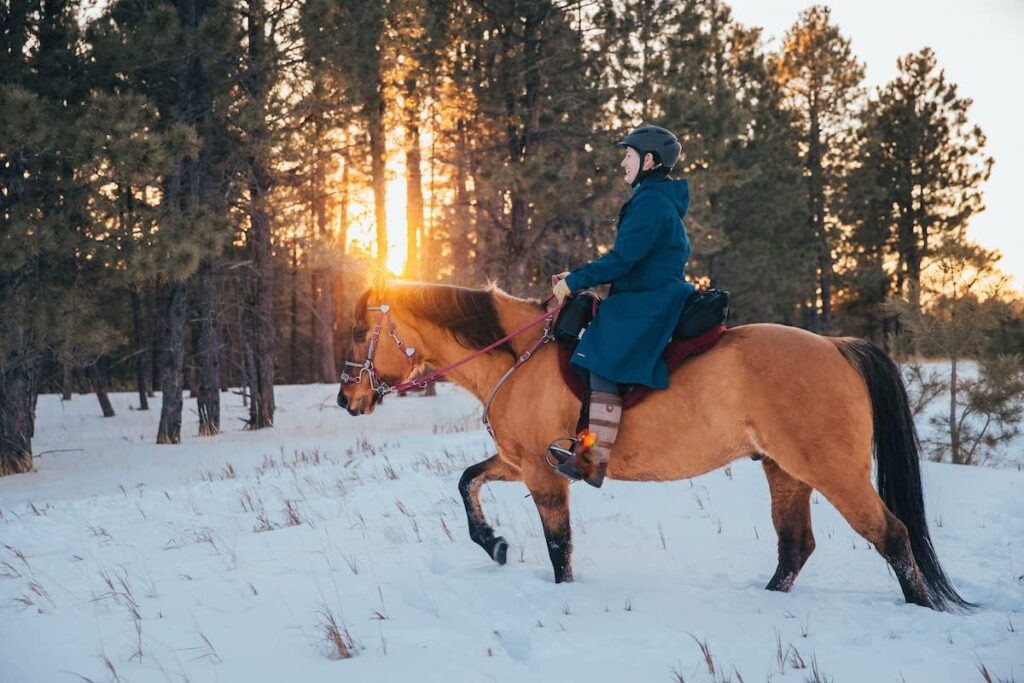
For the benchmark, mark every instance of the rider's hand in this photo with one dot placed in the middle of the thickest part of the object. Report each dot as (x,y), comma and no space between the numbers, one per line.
(560,290)
(561,276)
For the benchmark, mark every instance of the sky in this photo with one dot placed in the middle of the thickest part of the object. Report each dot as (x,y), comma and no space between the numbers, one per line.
(979,46)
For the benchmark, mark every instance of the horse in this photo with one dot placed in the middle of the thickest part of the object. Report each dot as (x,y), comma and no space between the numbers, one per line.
(813,409)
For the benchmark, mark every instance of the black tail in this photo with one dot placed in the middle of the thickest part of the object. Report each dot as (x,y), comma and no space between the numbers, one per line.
(899,470)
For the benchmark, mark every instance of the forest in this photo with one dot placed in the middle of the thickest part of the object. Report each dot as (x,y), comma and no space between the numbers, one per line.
(194,193)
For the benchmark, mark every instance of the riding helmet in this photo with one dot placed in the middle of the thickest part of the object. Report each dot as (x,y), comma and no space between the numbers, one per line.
(657,140)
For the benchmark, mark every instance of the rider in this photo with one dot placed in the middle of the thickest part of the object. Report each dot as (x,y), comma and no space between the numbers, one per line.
(624,343)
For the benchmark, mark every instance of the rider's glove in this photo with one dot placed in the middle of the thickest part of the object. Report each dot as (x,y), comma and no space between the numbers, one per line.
(561,290)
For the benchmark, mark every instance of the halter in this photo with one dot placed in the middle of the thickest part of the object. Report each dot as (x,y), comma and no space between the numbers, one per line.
(366,367)
(382,388)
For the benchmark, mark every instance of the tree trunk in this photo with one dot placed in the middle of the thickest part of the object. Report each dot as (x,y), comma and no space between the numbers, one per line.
(821,320)
(207,348)
(67,379)
(169,431)
(954,427)
(261,408)
(430,248)
(323,285)
(340,315)
(154,324)
(379,179)
(460,231)
(293,317)
(413,181)
(191,371)
(99,385)
(251,386)
(324,315)
(82,382)
(141,349)
(16,415)
(310,370)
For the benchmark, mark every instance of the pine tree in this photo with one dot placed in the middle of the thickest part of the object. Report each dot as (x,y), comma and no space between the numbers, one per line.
(192,221)
(823,84)
(532,145)
(924,163)
(42,221)
(350,48)
(713,87)
(325,121)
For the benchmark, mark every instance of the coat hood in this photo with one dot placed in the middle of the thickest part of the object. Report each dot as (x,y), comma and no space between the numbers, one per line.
(676,190)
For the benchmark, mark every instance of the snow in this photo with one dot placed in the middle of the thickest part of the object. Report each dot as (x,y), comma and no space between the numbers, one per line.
(220,559)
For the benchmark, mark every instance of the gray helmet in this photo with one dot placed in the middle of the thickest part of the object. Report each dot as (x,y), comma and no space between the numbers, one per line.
(662,143)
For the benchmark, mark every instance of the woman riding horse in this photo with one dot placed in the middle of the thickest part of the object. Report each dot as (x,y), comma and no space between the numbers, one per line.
(624,343)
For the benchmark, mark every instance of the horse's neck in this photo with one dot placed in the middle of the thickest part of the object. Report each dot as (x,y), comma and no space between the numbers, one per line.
(479,375)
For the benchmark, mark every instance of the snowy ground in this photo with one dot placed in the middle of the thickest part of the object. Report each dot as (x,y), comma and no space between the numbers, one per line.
(223,559)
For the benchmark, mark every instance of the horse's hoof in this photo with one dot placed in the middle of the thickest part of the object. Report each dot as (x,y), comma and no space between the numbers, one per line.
(499,553)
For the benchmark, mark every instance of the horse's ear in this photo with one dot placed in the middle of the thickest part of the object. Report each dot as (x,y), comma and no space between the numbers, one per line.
(360,311)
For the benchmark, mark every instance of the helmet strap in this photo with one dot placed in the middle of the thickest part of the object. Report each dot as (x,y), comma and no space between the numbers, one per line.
(659,170)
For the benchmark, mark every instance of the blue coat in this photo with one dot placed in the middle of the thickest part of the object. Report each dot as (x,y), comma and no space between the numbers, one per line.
(645,268)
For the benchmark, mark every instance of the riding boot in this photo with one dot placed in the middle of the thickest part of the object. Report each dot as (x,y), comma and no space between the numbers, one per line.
(590,453)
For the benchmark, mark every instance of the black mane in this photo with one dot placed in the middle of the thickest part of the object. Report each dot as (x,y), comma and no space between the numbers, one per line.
(470,316)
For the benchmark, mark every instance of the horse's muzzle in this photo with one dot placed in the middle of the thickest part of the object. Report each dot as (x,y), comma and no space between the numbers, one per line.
(361,409)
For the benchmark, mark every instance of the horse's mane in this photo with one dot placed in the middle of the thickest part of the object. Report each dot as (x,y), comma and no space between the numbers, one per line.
(469,315)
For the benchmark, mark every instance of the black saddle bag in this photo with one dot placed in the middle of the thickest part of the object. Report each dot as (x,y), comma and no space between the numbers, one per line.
(703,310)
(575,317)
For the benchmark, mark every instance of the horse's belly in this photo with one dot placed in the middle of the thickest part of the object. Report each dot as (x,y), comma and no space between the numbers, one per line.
(669,453)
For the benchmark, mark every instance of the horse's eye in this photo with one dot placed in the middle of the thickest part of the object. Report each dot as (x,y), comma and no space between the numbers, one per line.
(359,335)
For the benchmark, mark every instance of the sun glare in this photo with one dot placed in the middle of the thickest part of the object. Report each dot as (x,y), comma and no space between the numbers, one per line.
(362,229)
(398,242)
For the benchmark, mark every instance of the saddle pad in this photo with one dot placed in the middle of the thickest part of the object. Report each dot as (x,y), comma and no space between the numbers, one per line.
(677,351)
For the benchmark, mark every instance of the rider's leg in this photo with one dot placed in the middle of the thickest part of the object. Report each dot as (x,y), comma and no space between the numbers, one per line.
(589,459)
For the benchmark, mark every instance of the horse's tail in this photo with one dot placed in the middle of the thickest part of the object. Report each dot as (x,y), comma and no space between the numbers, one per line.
(899,470)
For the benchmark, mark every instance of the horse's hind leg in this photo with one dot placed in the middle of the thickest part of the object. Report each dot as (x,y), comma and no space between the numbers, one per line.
(475,476)
(791,514)
(859,503)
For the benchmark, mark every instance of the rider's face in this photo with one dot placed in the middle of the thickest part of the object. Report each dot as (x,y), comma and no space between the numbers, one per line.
(631,164)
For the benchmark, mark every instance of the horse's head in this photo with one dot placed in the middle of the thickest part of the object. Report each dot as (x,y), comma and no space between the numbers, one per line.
(379,355)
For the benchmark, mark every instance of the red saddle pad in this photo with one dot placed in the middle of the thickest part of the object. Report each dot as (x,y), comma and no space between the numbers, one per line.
(677,351)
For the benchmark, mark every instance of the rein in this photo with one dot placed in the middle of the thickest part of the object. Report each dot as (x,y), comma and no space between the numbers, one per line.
(383,388)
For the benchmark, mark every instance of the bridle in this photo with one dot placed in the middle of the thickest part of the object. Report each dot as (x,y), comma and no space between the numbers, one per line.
(367,368)
(382,388)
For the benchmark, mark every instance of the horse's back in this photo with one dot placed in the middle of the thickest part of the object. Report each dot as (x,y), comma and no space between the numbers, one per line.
(770,386)
(769,349)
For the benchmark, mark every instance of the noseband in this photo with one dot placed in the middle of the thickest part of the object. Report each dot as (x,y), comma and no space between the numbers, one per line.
(366,367)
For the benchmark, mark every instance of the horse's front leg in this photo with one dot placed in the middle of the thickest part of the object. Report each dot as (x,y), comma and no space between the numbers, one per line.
(475,476)
(551,495)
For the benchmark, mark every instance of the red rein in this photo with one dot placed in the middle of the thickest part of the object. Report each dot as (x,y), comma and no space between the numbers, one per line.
(422,382)
(383,389)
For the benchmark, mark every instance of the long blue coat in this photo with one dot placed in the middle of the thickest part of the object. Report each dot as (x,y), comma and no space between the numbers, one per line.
(645,268)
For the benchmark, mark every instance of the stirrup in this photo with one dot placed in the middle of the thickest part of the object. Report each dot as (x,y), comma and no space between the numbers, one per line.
(560,453)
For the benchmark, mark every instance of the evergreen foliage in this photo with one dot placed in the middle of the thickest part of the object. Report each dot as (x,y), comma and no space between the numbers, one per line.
(193,192)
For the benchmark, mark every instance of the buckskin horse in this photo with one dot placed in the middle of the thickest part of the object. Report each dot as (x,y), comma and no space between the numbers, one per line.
(811,408)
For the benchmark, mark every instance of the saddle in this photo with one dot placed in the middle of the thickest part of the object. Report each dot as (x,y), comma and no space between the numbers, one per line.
(701,324)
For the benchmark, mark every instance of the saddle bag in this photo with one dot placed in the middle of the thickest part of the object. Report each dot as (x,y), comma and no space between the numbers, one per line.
(703,310)
(575,317)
